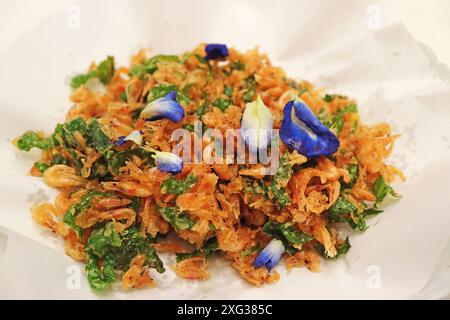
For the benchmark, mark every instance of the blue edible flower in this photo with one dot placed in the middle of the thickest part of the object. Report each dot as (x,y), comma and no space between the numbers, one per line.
(135,136)
(166,161)
(301,130)
(256,125)
(216,51)
(270,255)
(166,107)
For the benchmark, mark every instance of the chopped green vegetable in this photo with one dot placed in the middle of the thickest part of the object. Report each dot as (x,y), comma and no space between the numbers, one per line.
(79,207)
(100,278)
(104,72)
(201,59)
(31,140)
(250,84)
(222,104)
(178,220)
(189,127)
(183,94)
(353,173)
(228,90)
(99,140)
(202,109)
(345,211)
(251,250)
(116,251)
(58,159)
(41,166)
(341,249)
(174,186)
(337,121)
(331,97)
(280,180)
(64,133)
(237,65)
(325,117)
(207,250)
(151,65)
(123,96)
(135,204)
(160,91)
(381,189)
(286,232)
(133,243)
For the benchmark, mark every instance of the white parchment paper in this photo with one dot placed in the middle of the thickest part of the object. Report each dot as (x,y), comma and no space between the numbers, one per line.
(353,47)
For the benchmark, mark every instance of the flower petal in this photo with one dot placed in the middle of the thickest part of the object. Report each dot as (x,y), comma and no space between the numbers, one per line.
(166,107)
(120,141)
(270,255)
(301,130)
(216,51)
(135,136)
(256,125)
(168,162)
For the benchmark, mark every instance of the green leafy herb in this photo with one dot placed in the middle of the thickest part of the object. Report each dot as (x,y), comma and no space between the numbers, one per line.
(228,90)
(76,160)
(104,72)
(58,159)
(207,250)
(202,109)
(201,59)
(353,173)
(81,206)
(160,91)
(345,211)
(31,139)
(189,127)
(99,140)
(123,96)
(237,65)
(183,94)
(250,84)
(331,97)
(251,250)
(280,180)
(151,65)
(100,278)
(178,220)
(381,189)
(174,186)
(180,256)
(116,252)
(337,121)
(135,204)
(325,117)
(132,244)
(41,166)
(340,210)
(222,104)
(64,133)
(286,232)
(341,249)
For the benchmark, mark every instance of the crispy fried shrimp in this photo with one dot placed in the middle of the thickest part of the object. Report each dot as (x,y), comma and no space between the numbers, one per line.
(192,268)
(107,203)
(62,176)
(43,214)
(137,276)
(151,221)
(91,216)
(129,188)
